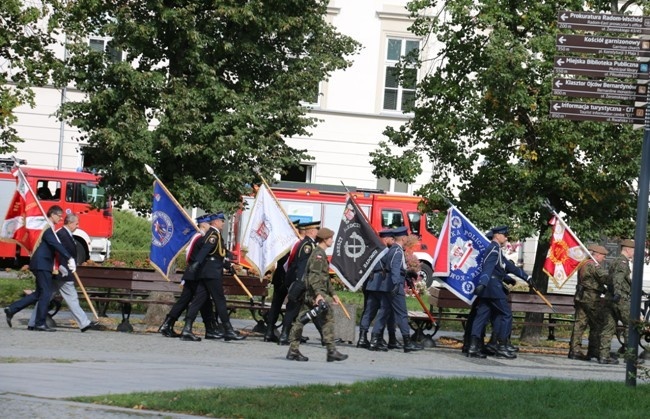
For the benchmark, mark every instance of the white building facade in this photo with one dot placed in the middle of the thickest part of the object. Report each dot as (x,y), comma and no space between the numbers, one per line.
(355,105)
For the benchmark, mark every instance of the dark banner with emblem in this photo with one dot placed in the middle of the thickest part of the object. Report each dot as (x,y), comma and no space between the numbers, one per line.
(171,229)
(357,247)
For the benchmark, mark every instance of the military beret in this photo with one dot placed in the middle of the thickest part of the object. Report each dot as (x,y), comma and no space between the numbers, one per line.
(499,230)
(400,231)
(325,233)
(627,243)
(388,232)
(598,249)
(308,225)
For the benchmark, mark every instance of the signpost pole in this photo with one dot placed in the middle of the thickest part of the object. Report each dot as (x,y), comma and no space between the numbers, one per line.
(639,255)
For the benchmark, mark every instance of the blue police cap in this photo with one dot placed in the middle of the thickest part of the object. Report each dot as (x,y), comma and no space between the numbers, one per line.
(400,231)
(216,216)
(205,218)
(499,230)
(388,232)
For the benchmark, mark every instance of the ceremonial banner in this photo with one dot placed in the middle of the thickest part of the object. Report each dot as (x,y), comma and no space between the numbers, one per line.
(171,229)
(357,247)
(269,233)
(24,221)
(459,255)
(565,253)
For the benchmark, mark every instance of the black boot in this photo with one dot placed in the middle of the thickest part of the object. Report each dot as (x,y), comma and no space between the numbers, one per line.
(187,334)
(393,343)
(284,336)
(474,350)
(376,343)
(230,333)
(167,328)
(411,346)
(270,335)
(489,349)
(212,330)
(503,352)
(363,340)
(334,355)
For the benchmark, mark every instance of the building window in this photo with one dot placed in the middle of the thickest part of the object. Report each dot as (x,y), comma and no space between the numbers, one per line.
(299,173)
(102,45)
(399,95)
(392,185)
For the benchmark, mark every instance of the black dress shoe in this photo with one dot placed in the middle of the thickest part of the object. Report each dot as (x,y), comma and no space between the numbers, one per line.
(271,338)
(91,325)
(30,328)
(44,328)
(9,316)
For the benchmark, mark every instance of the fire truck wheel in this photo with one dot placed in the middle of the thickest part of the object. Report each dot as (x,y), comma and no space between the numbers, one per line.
(427,273)
(82,253)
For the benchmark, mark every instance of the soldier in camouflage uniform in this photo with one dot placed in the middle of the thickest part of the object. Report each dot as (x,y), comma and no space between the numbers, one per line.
(318,288)
(593,280)
(621,273)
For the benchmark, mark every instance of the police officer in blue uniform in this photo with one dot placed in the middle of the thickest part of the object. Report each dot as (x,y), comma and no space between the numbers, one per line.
(392,292)
(208,266)
(493,300)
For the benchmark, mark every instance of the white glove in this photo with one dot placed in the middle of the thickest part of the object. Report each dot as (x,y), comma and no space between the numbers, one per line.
(63,271)
(72,265)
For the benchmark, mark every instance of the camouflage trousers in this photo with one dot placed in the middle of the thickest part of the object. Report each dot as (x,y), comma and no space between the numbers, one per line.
(607,332)
(327,324)
(588,315)
(621,313)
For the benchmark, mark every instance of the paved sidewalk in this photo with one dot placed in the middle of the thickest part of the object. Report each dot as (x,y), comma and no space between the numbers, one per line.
(37,368)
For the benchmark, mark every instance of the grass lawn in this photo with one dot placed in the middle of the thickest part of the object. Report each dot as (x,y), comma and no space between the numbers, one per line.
(412,398)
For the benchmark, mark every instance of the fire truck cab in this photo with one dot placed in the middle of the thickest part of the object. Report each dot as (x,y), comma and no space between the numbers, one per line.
(75,192)
(325,203)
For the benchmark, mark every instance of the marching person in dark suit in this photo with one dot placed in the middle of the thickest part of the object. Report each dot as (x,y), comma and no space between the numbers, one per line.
(208,268)
(392,292)
(493,301)
(296,269)
(64,280)
(279,292)
(190,285)
(42,265)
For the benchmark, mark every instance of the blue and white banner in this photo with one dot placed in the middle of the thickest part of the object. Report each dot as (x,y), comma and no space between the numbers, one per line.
(459,255)
(171,229)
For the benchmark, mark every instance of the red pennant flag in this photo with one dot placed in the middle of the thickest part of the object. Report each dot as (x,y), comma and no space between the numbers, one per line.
(25,221)
(565,253)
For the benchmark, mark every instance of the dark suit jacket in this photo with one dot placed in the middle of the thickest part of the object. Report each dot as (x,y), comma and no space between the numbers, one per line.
(43,256)
(68,242)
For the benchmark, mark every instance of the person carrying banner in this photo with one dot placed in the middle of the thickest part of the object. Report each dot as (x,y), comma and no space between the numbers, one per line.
(297,266)
(493,301)
(319,294)
(620,271)
(279,292)
(190,286)
(64,282)
(372,303)
(208,268)
(393,295)
(42,265)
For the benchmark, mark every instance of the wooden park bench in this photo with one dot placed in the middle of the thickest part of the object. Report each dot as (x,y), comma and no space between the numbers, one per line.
(135,286)
(449,308)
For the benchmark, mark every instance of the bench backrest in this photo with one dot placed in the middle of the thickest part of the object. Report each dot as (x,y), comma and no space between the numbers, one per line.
(149,281)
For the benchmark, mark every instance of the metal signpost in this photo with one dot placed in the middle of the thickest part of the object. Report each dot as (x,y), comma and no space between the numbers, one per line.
(604,112)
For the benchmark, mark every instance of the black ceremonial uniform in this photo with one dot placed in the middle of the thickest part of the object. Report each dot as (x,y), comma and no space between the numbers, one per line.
(296,270)
(209,265)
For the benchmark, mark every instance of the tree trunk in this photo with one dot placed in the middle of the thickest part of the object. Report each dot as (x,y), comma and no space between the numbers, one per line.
(532,334)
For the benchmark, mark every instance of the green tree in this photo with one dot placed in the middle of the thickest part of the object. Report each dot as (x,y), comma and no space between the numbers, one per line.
(482,118)
(205,93)
(25,61)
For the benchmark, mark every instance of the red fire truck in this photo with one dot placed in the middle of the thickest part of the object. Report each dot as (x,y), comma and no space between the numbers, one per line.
(75,192)
(325,203)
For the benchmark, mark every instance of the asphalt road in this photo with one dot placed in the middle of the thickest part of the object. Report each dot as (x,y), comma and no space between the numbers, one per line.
(37,369)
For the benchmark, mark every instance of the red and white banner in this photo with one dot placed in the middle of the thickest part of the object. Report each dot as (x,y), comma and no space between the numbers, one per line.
(25,221)
(565,253)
